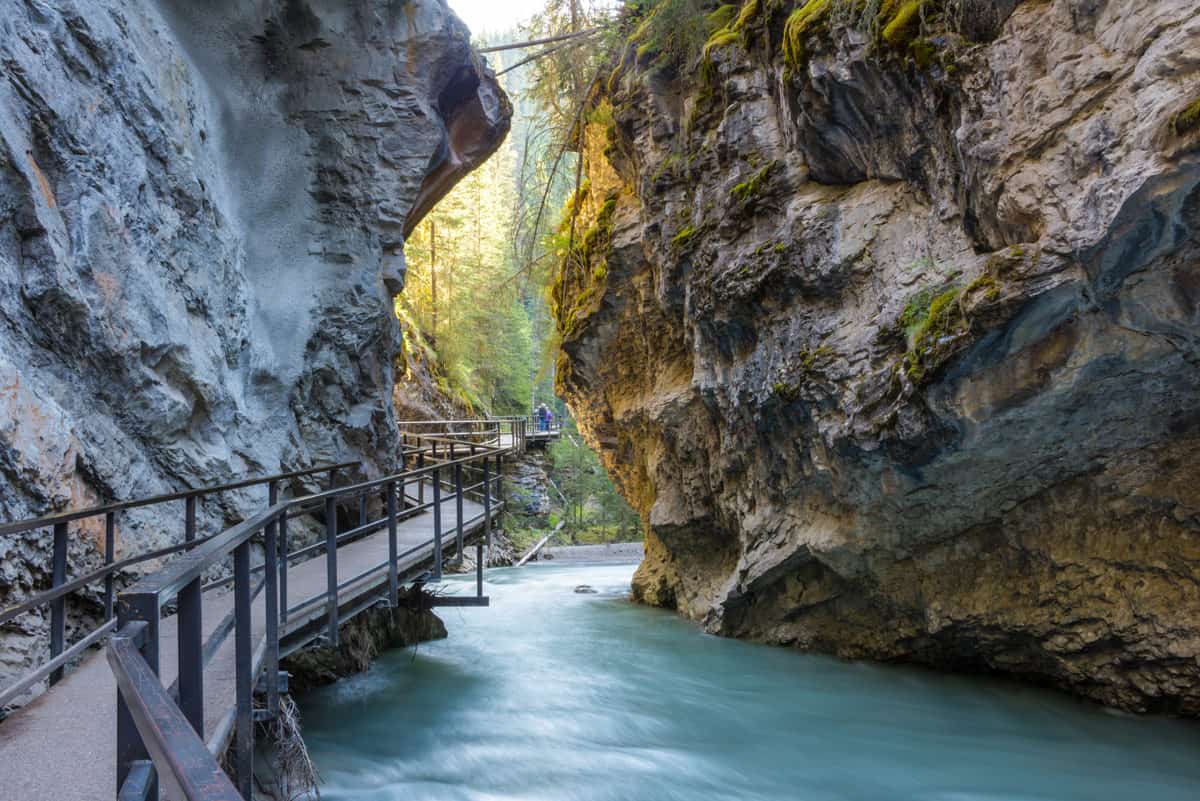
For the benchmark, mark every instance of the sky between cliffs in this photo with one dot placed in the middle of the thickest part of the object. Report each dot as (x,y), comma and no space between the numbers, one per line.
(490,16)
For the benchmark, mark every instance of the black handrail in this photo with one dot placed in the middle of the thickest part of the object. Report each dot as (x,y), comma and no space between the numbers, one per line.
(60,524)
(55,597)
(176,755)
(50,521)
(159,739)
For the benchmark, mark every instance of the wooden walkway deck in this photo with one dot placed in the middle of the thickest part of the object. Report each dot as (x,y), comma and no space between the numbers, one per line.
(62,746)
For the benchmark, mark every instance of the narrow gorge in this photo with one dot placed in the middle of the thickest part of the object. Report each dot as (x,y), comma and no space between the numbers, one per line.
(884,317)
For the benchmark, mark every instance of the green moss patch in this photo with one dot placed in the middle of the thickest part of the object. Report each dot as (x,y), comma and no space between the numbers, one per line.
(749,190)
(901,22)
(684,238)
(1187,120)
(802,22)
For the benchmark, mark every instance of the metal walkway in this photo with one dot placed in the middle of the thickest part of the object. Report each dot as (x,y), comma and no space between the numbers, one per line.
(81,740)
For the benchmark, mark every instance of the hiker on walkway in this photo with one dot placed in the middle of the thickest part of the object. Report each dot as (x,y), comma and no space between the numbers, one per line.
(541,414)
(549,420)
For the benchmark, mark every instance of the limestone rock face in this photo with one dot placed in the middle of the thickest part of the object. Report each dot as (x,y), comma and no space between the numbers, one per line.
(902,360)
(202,215)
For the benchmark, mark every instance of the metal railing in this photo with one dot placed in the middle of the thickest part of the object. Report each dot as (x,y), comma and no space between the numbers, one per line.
(159,740)
(553,427)
(513,430)
(60,588)
(161,730)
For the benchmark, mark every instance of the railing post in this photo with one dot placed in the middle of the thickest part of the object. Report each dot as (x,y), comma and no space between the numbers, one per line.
(420,479)
(190,644)
(500,478)
(478,569)
(243,660)
(189,518)
(58,607)
(332,478)
(487,502)
(331,574)
(437,524)
(283,566)
(362,510)
(458,509)
(190,638)
(393,576)
(271,577)
(141,607)
(110,556)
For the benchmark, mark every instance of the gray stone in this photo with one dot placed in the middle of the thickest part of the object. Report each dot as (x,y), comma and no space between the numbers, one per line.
(1013,489)
(199,244)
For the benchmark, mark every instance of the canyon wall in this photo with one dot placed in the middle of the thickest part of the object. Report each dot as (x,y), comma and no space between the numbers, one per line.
(202,214)
(891,331)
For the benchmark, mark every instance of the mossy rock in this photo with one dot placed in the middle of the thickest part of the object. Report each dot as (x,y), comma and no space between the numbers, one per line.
(1188,119)
(684,237)
(723,16)
(900,22)
(801,23)
(748,191)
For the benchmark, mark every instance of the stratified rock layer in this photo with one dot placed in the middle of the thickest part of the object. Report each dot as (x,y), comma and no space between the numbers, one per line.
(202,210)
(903,361)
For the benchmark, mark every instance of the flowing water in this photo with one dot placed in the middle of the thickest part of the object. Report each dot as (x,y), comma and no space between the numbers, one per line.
(557,696)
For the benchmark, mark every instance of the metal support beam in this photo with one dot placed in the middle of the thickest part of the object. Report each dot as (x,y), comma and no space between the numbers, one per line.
(271,579)
(58,607)
(487,503)
(393,578)
(458,510)
(437,524)
(283,565)
(110,555)
(244,680)
(479,569)
(190,644)
(331,574)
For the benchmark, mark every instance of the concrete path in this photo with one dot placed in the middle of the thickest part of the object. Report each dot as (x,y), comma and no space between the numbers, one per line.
(61,747)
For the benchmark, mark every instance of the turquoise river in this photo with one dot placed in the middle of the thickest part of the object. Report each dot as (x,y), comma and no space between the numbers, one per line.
(552,695)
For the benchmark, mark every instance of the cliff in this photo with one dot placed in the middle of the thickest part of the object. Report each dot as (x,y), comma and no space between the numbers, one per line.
(887,325)
(203,207)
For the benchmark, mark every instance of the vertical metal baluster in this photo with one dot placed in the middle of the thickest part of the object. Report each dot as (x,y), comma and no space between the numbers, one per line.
(332,477)
(478,569)
(189,518)
(458,509)
(58,607)
(487,503)
(110,556)
(271,571)
(331,574)
(362,510)
(420,479)
(130,748)
(190,639)
(500,479)
(283,565)
(393,576)
(243,659)
(437,525)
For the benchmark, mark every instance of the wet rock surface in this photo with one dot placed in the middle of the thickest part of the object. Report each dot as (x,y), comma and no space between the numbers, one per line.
(900,361)
(360,641)
(202,215)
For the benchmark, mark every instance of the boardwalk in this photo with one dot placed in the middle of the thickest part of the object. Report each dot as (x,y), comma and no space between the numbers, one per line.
(62,746)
